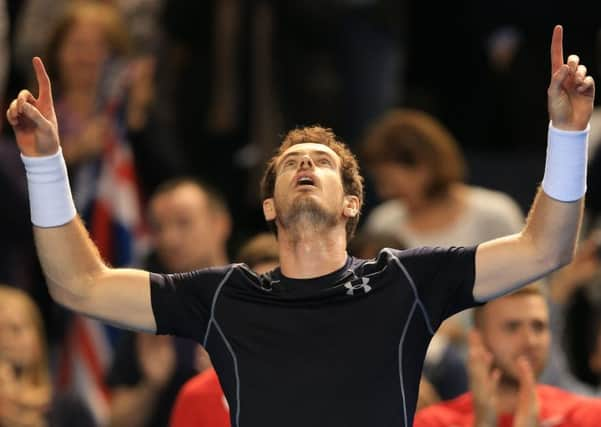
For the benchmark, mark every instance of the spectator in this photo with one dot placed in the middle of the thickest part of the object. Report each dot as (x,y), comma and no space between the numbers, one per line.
(38,18)
(189,226)
(87,51)
(508,351)
(27,397)
(420,172)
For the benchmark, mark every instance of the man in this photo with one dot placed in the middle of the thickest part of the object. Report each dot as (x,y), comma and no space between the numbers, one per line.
(190,225)
(326,339)
(148,370)
(508,351)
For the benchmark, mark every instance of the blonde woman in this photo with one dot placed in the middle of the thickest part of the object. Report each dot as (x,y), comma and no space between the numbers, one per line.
(27,398)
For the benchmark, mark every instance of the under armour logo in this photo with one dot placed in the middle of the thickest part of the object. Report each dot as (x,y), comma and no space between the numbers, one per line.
(355,285)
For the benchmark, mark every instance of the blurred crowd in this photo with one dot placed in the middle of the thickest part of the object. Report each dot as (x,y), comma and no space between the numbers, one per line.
(167,112)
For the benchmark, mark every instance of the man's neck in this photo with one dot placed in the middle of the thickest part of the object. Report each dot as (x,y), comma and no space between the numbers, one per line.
(312,252)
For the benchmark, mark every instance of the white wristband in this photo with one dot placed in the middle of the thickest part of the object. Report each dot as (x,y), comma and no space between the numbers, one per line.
(565,169)
(50,199)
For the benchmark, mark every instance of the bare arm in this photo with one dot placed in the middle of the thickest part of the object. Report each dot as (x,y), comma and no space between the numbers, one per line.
(78,279)
(76,275)
(546,243)
(548,239)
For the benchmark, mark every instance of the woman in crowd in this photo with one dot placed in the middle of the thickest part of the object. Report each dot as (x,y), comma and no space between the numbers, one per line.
(104,100)
(26,393)
(420,173)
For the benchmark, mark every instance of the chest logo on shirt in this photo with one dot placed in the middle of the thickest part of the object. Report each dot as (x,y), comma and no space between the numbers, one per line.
(357,285)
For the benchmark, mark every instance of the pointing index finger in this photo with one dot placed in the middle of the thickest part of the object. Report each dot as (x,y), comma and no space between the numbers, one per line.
(556,49)
(44,88)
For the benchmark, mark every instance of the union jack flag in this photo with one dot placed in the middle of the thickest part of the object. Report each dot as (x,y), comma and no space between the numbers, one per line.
(108,198)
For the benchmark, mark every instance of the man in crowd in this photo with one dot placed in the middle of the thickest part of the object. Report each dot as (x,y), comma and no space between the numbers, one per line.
(508,351)
(288,346)
(189,225)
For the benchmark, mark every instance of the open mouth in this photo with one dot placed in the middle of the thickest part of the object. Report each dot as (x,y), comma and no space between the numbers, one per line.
(305,181)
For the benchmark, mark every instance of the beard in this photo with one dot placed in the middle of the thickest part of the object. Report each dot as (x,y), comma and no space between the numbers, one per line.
(305,214)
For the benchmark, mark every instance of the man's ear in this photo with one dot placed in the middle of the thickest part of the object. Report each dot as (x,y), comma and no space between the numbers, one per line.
(269,209)
(351,206)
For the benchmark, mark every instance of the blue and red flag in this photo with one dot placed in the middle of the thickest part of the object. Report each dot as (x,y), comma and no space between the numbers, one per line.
(108,198)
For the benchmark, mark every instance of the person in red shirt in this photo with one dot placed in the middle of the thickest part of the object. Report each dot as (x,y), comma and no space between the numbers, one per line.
(508,351)
(201,402)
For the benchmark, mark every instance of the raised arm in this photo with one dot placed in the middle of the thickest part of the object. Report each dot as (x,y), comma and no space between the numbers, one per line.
(548,239)
(75,272)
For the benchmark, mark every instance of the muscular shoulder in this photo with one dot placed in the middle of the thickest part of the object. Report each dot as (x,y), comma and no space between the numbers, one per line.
(206,280)
(392,260)
(423,264)
(423,257)
(183,303)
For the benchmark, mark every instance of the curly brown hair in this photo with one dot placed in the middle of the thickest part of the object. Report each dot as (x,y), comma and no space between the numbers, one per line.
(412,138)
(352,181)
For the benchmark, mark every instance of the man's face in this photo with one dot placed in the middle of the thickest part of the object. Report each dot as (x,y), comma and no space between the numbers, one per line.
(308,186)
(187,234)
(516,326)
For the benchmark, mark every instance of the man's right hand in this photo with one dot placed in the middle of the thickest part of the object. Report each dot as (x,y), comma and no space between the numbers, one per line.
(484,382)
(33,119)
